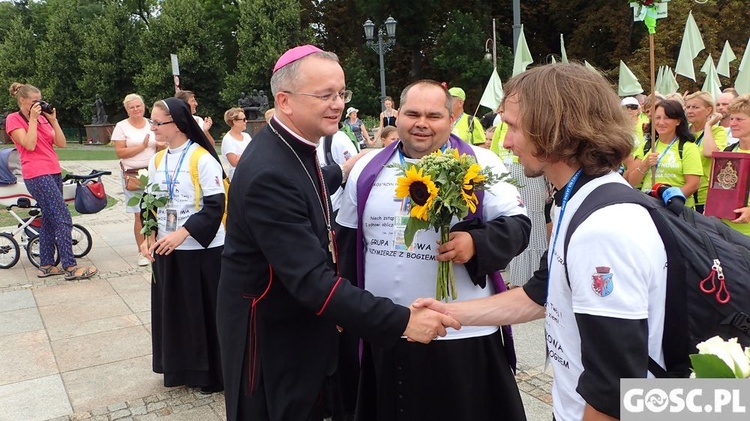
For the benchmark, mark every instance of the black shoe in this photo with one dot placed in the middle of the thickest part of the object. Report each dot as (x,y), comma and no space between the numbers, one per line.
(207,390)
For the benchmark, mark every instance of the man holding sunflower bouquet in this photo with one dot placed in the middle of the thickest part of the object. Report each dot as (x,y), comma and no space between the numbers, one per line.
(467,370)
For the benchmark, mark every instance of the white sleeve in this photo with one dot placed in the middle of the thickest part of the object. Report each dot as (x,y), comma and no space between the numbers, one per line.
(628,255)
(199,120)
(342,148)
(229,145)
(348,211)
(502,199)
(209,175)
(118,133)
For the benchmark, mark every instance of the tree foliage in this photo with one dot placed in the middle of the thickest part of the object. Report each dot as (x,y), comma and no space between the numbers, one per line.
(266,29)
(75,49)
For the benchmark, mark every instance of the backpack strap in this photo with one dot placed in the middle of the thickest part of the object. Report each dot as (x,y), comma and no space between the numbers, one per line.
(194,176)
(675,338)
(158,158)
(327,142)
(732,148)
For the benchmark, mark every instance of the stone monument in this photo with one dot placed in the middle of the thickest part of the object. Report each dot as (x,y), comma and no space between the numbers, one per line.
(254,107)
(99,132)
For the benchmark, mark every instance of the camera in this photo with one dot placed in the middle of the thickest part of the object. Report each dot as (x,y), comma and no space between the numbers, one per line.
(46,106)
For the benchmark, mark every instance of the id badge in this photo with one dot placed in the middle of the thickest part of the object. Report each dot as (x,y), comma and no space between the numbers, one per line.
(399,230)
(171,220)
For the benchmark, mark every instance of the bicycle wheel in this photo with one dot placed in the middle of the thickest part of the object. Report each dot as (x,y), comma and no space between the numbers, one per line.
(32,252)
(81,241)
(9,251)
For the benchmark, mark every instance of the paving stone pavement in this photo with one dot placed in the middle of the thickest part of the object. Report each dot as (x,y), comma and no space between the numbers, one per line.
(81,350)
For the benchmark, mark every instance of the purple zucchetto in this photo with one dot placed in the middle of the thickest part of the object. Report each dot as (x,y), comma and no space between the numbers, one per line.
(295,54)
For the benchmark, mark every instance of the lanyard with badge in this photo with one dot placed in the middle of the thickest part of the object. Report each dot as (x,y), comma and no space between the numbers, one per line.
(566,196)
(171,208)
(658,160)
(404,211)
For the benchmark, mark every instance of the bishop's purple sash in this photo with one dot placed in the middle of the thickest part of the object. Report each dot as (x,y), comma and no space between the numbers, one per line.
(364,185)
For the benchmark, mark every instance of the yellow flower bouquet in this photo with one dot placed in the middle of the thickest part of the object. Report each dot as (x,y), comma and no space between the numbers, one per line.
(441,186)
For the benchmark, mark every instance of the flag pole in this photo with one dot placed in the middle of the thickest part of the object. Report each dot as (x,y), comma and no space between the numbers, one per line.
(653,104)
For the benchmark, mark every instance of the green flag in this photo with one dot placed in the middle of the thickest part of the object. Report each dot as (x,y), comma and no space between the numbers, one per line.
(727,56)
(692,44)
(523,55)
(590,67)
(742,83)
(650,19)
(493,93)
(659,79)
(628,83)
(670,84)
(712,84)
(709,68)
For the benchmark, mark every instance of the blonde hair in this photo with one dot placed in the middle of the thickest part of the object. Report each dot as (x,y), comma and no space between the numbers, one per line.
(21,90)
(269,114)
(570,114)
(231,114)
(741,104)
(707,98)
(132,97)
(676,97)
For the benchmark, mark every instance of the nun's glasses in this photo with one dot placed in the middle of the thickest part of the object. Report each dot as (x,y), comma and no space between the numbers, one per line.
(160,123)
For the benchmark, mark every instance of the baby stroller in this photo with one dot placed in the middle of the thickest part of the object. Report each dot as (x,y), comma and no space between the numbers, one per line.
(14,195)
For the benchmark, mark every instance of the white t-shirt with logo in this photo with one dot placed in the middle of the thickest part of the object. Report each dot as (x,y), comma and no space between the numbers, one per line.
(183,198)
(401,274)
(237,147)
(342,149)
(618,268)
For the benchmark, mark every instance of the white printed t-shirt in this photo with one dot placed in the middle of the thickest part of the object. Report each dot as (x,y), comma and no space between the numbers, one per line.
(405,275)
(342,149)
(210,179)
(620,240)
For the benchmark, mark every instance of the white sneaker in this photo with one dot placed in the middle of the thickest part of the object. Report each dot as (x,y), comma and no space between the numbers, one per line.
(142,260)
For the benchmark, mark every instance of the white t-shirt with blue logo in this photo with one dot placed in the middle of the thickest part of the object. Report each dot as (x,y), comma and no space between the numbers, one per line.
(617,267)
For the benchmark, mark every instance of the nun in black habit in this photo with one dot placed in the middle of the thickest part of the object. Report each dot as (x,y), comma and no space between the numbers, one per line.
(186,251)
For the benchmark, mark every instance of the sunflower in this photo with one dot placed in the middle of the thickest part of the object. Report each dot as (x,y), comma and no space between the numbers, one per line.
(420,189)
(460,158)
(473,176)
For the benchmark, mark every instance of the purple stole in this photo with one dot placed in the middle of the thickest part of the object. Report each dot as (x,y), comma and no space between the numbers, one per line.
(364,186)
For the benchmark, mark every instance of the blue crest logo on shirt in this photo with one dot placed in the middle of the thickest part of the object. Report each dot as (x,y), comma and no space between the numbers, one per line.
(602,284)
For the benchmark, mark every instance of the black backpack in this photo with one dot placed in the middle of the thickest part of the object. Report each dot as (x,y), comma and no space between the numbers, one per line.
(704,254)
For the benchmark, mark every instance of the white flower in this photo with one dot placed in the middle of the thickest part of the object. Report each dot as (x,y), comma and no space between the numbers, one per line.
(730,352)
(143,172)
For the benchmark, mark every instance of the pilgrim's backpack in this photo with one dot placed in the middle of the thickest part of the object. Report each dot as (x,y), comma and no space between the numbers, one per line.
(194,158)
(708,274)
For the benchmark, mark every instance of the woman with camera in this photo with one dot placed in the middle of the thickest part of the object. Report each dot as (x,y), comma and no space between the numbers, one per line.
(35,131)
(134,146)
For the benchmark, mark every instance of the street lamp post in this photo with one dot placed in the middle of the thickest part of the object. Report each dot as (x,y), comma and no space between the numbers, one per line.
(492,40)
(381,46)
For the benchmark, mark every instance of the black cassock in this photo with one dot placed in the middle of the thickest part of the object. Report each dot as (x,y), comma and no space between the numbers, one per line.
(184,341)
(280,298)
